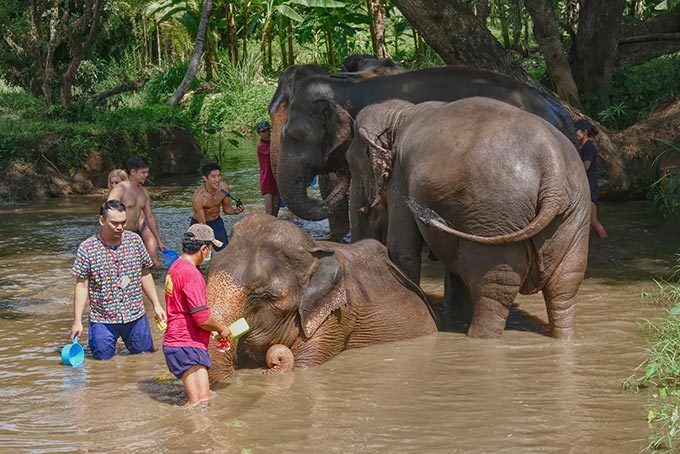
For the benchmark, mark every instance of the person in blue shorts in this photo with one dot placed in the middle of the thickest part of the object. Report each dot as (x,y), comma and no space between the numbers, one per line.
(209,198)
(112,270)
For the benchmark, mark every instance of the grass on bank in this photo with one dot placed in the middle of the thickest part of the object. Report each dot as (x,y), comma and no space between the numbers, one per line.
(659,373)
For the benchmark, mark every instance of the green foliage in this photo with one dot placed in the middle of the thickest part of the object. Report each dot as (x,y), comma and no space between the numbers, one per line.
(664,193)
(635,91)
(660,371)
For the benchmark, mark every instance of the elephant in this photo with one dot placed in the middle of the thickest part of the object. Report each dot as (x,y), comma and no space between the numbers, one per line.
(365,66)
(319,113)
(312,299)
(361,66)
(498,194)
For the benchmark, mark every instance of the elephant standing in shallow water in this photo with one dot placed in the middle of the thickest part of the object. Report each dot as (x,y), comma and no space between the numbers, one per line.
(308,299)
(498,194)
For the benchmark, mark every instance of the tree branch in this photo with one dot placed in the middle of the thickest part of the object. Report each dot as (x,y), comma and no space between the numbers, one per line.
(122,88)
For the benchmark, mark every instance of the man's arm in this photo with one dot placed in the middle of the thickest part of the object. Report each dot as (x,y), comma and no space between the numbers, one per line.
(197,204)
(586,164)
(226,203)
(151,220)
(149,289)
(79,301)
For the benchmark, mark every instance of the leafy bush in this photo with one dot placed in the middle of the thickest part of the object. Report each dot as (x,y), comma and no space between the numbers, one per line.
(664,193)
(660,371)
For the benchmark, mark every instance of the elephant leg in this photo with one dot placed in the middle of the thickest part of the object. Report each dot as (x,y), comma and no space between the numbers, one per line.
(457,298)
(493,298)
(404,241)
(279,359)
(559,293)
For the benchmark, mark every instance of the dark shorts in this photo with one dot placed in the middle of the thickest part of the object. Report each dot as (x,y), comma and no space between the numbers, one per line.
(594,196)
(181,359)
(220,231)
(136,335)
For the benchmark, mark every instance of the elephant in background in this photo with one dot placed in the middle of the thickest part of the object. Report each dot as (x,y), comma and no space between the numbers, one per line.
(320,112)
(498,194)
(307,299)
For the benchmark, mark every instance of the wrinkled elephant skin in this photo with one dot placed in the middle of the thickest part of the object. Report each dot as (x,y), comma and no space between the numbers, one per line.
(498,194)
(315,298)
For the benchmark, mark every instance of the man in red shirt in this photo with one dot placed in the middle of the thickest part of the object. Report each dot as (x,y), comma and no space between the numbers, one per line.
(268,186)
(185,344)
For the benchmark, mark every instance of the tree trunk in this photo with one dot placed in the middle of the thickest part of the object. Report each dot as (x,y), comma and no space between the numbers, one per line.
(232,37)
(78,45)
(547,35)
(450,28)
(505,32)
(643,40)
(208,64)
(597,40)
(378,28)
(289,37)
(195,55)
(329,45)
(483,10)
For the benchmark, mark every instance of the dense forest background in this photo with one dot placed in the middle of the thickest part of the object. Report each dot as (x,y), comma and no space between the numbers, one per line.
(110,78)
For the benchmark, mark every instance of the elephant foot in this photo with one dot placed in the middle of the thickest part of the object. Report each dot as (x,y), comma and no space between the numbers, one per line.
(279,359)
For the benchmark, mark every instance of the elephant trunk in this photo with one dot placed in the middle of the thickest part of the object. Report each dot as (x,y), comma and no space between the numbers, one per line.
(226,301)
(294,179)
(279,359)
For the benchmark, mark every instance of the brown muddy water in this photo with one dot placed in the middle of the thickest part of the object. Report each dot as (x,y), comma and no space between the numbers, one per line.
(446,393)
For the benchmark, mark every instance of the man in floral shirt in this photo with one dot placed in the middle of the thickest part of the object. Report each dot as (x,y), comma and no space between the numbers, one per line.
(112,271)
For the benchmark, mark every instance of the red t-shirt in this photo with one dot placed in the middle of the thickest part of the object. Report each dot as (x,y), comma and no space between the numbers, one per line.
(186,303)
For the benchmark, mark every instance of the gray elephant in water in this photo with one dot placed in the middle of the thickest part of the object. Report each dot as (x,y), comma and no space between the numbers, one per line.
(498,194)
(305,300)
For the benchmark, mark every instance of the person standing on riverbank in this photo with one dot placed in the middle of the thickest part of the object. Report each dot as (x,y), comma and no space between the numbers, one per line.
(268,186)
(585,131)
(112,272)
(208,199)
(185,344)
(136,198)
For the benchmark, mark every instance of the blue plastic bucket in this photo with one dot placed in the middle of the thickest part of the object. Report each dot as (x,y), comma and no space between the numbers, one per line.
(169,257)
(73,354)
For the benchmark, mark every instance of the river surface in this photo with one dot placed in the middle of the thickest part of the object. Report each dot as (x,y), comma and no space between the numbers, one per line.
(445,393)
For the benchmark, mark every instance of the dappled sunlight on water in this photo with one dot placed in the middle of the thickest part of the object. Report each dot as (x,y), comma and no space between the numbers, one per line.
(522,393)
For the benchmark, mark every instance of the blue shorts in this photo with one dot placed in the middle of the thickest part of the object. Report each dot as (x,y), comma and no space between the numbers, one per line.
(102,337)
(181,359)
(220,231)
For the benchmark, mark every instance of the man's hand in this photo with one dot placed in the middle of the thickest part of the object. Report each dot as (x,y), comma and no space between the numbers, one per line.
(225,333)
(76,329)
(162,245)
(160,313)
(238,209)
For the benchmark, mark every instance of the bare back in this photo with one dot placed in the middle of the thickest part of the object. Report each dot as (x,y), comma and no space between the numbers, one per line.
(135,200)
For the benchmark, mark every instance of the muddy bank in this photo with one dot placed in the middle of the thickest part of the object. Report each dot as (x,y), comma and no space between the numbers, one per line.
(172,152)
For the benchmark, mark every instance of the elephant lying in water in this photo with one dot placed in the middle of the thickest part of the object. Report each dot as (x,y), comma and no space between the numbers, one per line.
(498,194)
(314,299)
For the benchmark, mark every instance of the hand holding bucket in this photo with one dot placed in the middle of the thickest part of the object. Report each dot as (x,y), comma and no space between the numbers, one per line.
(73,354)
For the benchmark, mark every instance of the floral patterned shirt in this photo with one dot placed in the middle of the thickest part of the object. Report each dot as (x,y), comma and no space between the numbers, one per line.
(114,275)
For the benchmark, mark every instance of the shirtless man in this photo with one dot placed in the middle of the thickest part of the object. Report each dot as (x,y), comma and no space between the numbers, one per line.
(136,199)
(208,199)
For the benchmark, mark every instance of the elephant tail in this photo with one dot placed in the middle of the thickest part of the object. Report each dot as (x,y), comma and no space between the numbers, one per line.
(548,211)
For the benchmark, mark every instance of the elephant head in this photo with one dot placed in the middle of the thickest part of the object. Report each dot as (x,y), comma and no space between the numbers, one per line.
(277,277)
(278,106)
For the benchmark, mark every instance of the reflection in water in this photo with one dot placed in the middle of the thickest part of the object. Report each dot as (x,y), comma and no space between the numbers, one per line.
(522,393)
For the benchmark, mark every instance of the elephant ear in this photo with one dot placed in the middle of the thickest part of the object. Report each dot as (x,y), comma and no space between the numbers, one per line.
(323,294)
(337,124)
(380,155)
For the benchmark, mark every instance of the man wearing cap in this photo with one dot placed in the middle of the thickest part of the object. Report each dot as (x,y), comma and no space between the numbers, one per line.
(209,198)
(190,323)
(112,271)
(268,186)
